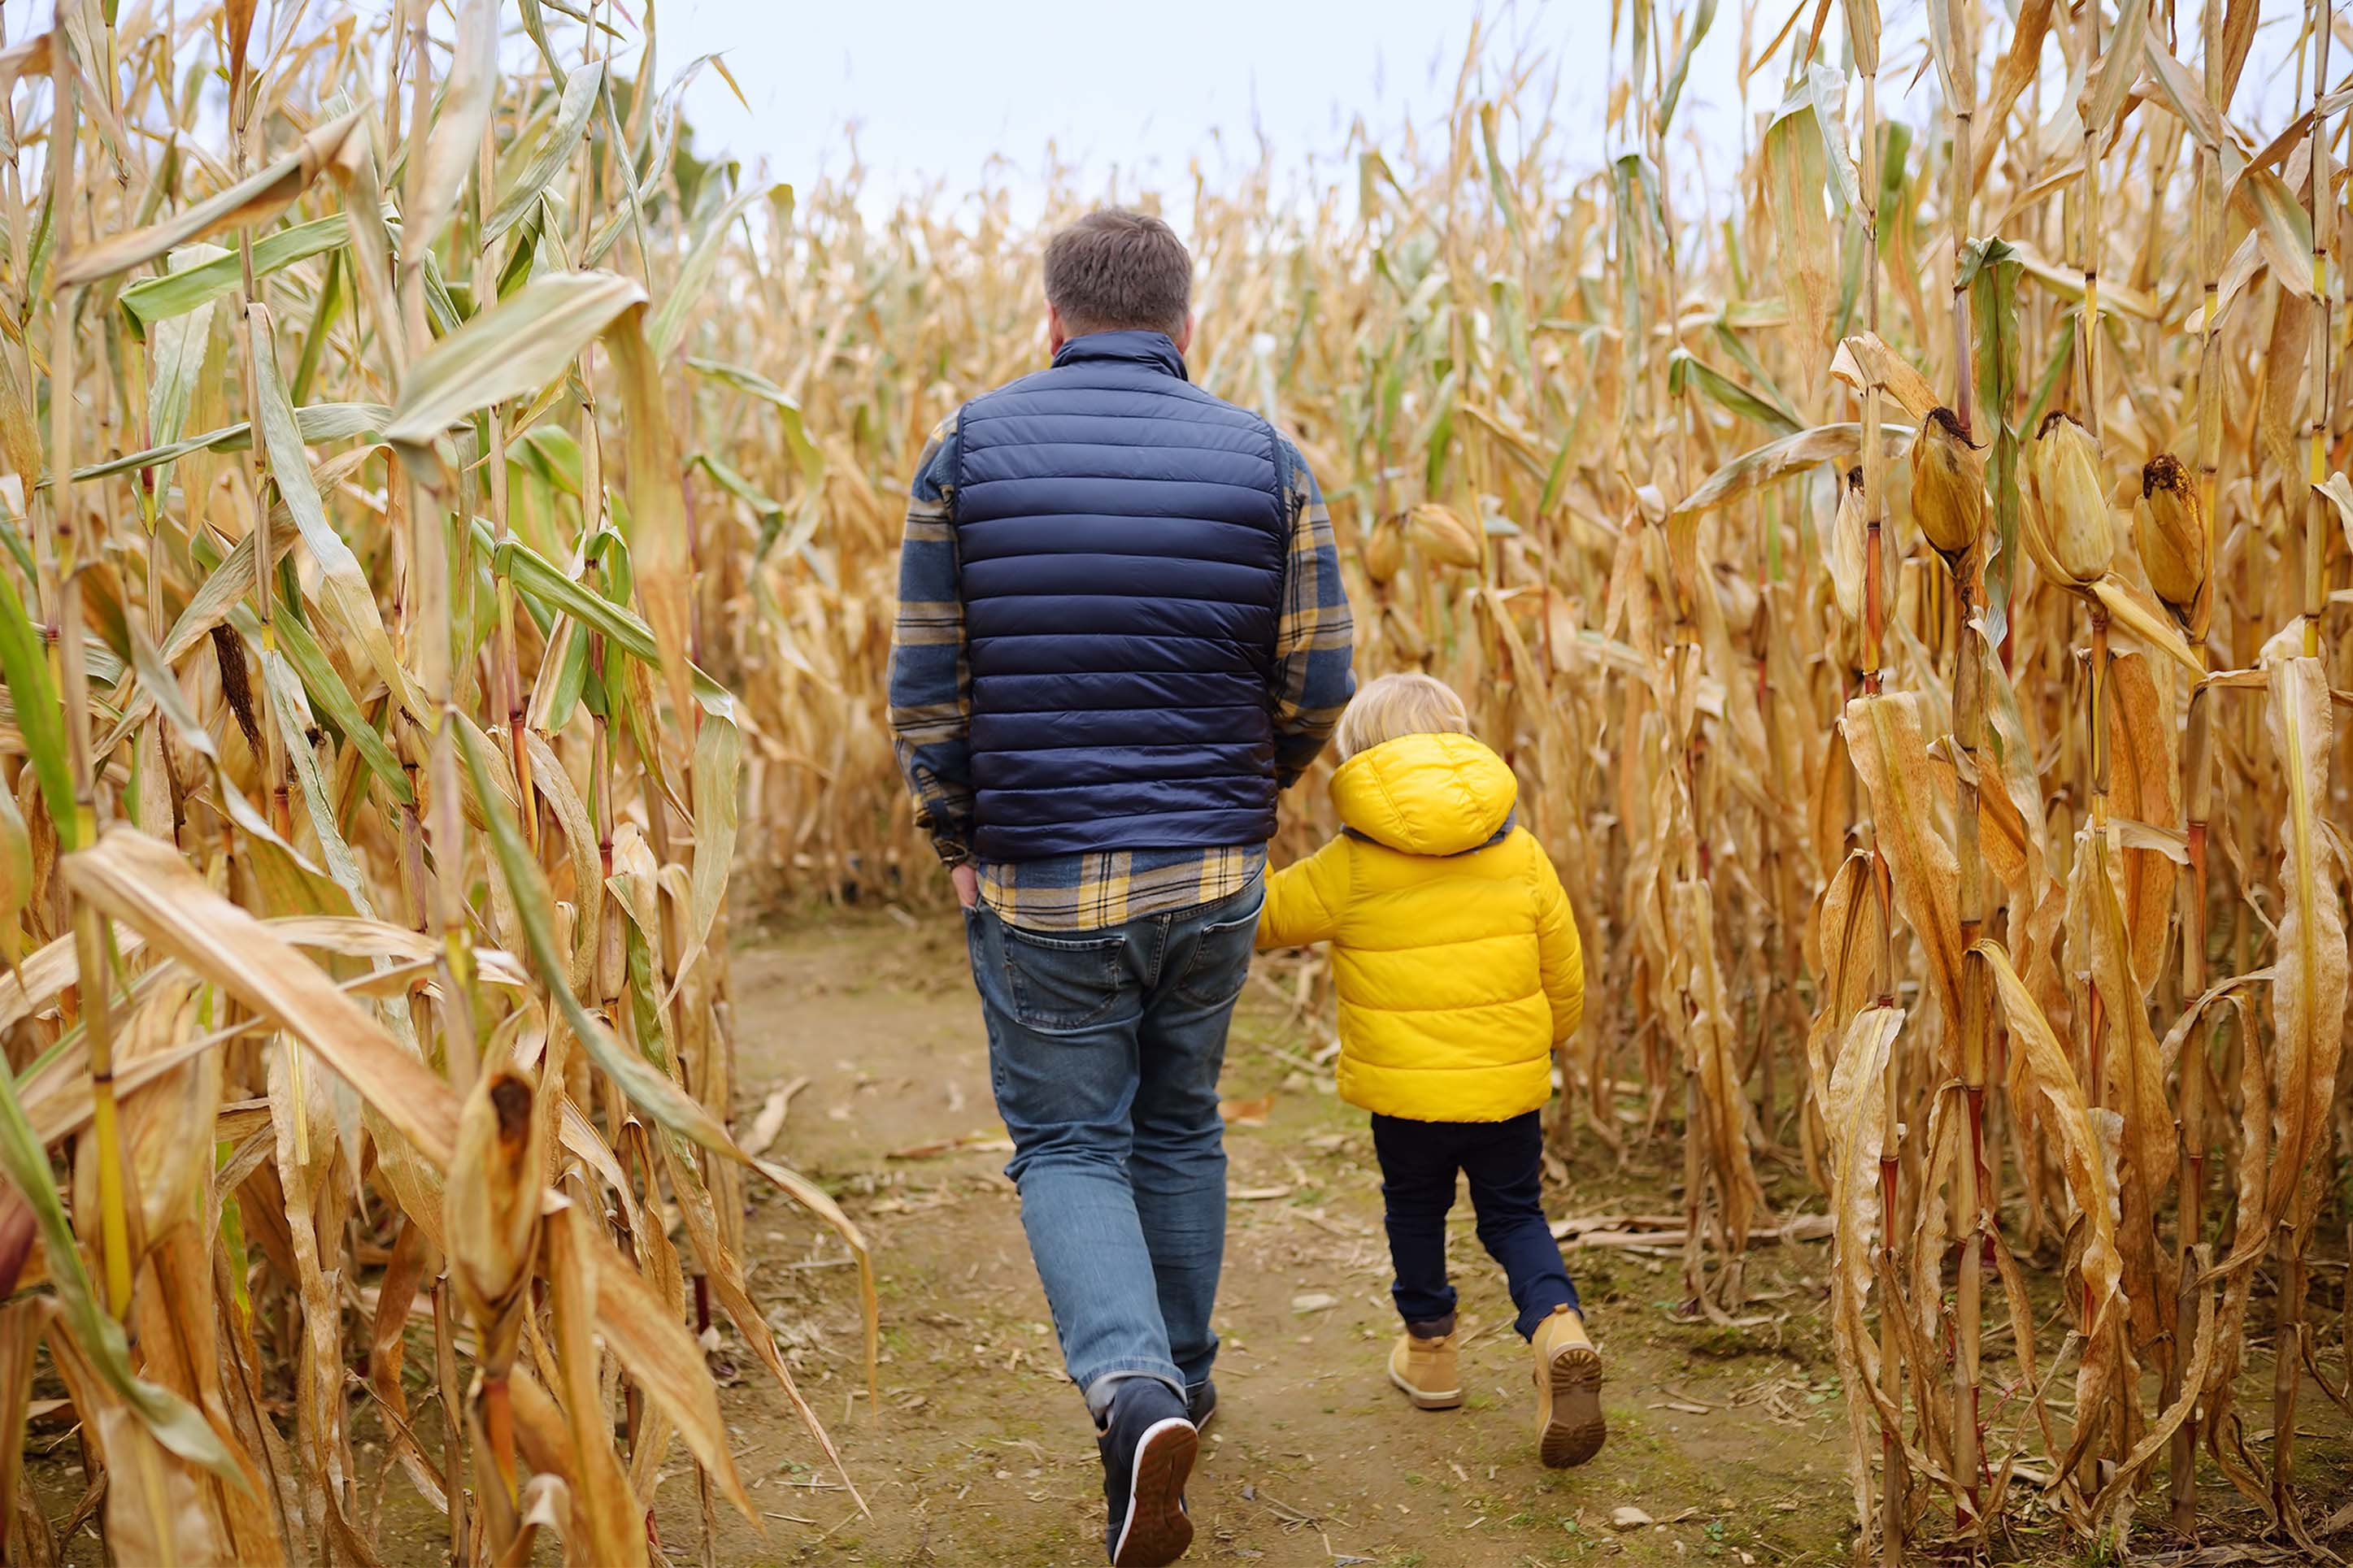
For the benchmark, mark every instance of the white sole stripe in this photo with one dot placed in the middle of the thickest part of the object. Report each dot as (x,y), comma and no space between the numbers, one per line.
(1136,1474)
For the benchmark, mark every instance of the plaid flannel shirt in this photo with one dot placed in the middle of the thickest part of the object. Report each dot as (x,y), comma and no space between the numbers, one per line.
(931,715)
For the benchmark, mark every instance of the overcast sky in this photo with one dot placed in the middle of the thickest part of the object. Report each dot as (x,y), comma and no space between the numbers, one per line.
(955,95)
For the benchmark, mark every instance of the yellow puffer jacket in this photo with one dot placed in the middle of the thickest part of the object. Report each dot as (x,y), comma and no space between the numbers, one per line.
(1452,944)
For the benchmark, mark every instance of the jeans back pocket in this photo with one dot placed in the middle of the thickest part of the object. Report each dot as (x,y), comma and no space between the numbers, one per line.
(1061,983)
(1220,966)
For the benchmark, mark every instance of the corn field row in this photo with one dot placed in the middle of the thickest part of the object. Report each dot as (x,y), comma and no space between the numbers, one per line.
(369,818)
(1956,810)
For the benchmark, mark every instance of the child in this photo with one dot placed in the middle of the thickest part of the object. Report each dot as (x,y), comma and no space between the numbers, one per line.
(1459,971)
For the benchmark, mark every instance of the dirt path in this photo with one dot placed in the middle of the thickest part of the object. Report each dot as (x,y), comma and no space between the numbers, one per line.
(1730,1439)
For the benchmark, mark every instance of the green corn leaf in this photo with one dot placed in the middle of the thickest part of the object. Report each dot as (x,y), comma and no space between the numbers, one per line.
(2047,384)
(1686,369)
(770,512)
(695,272)
(1498,180)
(806,452)
(329,307)
(571,678)
(40,717)
(509,351)
(317,423)
(534,574)
(333,698)
(649,1089)
(554,153)
(191,288)
(1702,19)
(536,25)
(550,452)
(1991,273)
(291,713)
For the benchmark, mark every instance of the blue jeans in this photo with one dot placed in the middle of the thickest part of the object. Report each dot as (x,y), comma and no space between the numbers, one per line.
(1504,1161)
(1103,1049)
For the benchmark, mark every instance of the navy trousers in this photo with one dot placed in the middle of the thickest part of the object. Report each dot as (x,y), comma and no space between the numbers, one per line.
(1504,1161)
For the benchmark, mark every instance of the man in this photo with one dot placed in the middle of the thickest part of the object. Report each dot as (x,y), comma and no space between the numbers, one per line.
(1120,630)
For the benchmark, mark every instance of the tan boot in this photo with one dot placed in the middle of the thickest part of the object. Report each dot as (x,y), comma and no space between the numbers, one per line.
(1570,1423)
(1426,1369)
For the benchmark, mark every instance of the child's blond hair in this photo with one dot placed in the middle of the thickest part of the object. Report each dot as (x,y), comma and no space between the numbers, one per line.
(1393,705)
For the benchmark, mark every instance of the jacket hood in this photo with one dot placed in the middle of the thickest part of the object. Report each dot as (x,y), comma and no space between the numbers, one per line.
(1425,794)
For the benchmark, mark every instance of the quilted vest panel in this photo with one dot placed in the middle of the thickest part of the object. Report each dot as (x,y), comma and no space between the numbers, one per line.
(1121,537)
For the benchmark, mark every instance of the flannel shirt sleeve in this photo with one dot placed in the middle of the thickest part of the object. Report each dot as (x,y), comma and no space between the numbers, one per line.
(931,684)
(1314,639)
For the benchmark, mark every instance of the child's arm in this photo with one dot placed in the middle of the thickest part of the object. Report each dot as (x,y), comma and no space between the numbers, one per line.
(1303,900)
(1559,953)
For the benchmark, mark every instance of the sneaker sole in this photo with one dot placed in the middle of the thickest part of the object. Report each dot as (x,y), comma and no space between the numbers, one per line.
(1577,1428)
(1425,1400)
(1158,1531)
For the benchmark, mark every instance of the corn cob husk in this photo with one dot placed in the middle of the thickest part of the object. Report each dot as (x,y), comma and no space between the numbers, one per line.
(1443,535)
(491,1209)
(1384,551)
(2169,528)
(1947,485)
(2068,532)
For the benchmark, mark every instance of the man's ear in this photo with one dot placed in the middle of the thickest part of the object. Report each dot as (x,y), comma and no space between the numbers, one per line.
(1056,334)
(1185,333)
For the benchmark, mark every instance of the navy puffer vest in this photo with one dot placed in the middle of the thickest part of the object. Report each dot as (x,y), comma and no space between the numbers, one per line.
(1120,538)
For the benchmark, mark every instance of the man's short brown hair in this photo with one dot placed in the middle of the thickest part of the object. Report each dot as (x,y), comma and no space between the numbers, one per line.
(1115,270)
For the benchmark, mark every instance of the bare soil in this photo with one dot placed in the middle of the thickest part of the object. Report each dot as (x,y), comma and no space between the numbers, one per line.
(1730,1439)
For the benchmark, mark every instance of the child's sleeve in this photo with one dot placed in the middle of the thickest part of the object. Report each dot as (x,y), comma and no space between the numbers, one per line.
(1559,953)
(1303,900)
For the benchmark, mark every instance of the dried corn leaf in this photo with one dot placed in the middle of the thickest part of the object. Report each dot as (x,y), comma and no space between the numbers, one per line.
(1794,164)
(2042,1065)
(667,1363)
(610,1510)
(253,200)
(2143,771)
(146,885)
(453,138)
(1855,1116)
(2309,978)
(1883,736)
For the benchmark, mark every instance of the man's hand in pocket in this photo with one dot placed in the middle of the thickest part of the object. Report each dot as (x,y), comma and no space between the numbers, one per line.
(967,884)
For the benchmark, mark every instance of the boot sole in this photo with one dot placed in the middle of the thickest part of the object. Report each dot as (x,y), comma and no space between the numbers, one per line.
(1576,1428)
(1424,1400)
(1158,1531)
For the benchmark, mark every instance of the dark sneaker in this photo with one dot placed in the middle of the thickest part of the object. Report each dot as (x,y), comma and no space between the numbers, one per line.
(1148,1450)
(1201,1403)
